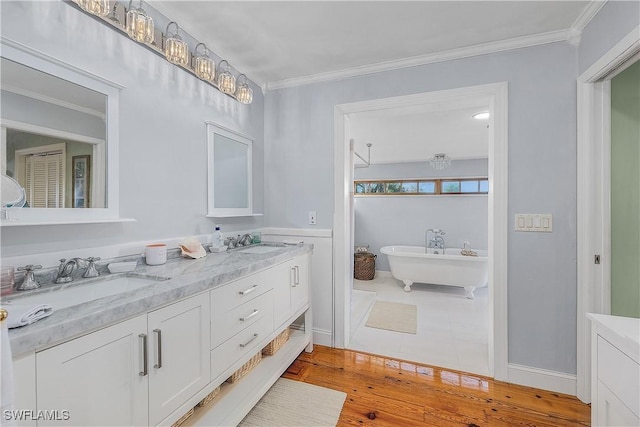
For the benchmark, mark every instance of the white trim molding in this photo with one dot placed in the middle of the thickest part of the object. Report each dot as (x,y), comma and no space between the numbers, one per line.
(593,227)
(303,232)
(542,379)
(446,55)
(322,337)
(496,96)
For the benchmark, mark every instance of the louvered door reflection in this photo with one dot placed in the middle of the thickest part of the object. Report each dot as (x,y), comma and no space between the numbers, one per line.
(45,181)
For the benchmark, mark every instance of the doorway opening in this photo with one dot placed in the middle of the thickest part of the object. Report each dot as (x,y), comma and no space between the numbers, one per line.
(594,195)
(495,97)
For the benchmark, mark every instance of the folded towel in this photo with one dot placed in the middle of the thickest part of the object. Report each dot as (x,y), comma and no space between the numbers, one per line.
(468,252)
(22,315)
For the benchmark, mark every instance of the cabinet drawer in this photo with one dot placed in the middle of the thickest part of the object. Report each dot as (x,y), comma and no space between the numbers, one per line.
(614,370)
(226,325)
(235,293)
(242,344)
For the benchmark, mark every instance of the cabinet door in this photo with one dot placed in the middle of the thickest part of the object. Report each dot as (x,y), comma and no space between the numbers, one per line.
(280,278)
(611,411)
(96,378)
(300,278)
(178,354)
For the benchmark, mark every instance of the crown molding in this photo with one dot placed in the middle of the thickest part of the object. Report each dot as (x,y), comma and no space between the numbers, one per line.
(447,55)
(588,13)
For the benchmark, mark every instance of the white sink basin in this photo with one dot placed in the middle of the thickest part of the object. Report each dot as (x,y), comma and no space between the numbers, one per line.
(259,249)
(84,292)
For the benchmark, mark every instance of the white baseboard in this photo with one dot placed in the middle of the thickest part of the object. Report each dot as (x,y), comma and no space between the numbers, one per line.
(542,378)
(322,337)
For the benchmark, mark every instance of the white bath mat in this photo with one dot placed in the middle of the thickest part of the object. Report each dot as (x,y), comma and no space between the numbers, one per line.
(294,403)
(393,316)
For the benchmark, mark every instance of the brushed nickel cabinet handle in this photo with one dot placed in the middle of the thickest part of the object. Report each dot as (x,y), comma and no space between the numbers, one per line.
(292,277)
(145,369)
(250,339)
(244,319)
(158,333)
(248,291)
(297,272)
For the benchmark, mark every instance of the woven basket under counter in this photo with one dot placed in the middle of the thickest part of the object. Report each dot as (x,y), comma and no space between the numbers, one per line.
(364,265)
(244,369)
(276,344)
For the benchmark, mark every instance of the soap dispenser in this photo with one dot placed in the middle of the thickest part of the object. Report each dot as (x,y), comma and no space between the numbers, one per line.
(218,239)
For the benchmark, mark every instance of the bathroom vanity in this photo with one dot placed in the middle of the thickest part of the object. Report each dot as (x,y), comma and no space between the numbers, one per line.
(615,368)
(148,356)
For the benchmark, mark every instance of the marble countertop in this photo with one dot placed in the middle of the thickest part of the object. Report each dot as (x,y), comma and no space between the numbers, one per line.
(187,277)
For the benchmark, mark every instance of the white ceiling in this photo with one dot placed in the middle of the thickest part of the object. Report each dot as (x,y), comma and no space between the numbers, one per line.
(275,42)
(285,43)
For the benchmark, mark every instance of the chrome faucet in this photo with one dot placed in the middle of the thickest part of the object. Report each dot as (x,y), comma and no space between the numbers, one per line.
(436,242)
(29,283)
(245,240)
(91,270)
(231,242)
(65,269)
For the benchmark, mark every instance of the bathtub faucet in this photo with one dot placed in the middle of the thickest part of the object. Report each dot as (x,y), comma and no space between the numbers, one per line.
(436,242)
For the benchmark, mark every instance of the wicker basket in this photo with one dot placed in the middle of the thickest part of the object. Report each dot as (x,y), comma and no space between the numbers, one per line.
(364,265)
(209,397)
(276,344)
(183,418)
(244,369)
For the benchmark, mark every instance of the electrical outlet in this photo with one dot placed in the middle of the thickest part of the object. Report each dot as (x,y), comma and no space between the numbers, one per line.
(312,217)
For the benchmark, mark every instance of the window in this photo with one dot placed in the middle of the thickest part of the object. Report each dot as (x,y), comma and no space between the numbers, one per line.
(447,186)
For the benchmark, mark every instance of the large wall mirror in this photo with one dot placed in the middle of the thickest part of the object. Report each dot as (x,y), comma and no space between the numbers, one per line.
(229,172)
(58,128)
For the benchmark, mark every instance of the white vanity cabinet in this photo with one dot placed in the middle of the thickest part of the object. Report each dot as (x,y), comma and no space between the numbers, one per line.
(178,354)
(135,372)
(615,368)
(291,287)
(96,378)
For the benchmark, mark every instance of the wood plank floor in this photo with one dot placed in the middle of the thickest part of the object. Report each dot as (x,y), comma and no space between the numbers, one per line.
(388,392)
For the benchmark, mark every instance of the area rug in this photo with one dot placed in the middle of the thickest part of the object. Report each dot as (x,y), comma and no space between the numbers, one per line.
(393,316)
(291,403)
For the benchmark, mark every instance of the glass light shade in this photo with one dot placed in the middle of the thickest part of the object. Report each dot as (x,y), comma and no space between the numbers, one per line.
(244,94)
(140,26)
(176,50)
(226,80)
(440,161)
(96,7)
(204,68)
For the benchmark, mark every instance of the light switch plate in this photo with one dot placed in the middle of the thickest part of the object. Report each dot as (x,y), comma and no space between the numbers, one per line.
(534,222)
(312,217)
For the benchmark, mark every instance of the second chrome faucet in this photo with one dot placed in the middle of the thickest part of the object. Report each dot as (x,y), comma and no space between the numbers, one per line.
(67,267)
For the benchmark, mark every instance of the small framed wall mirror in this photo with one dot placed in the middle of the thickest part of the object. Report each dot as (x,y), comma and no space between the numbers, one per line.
(59,139)
(229,172)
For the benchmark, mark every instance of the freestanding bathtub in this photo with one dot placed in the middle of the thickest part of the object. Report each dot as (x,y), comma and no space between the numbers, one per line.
(412,264)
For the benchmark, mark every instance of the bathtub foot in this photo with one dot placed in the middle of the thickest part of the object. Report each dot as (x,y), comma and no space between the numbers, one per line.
(407,285)
(470,290)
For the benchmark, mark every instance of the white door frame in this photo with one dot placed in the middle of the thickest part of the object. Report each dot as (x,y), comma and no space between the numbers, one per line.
(496,96)
(593,174)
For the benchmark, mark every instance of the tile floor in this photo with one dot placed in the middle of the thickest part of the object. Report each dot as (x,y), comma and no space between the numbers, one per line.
(452,329)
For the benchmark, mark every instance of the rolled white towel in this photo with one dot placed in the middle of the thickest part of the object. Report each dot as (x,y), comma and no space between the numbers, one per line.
(22,315)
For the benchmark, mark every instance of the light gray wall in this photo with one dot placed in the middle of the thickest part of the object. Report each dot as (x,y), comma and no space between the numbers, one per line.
(402,220)
(28,110)
(163,169)
(614,21)
(542,175)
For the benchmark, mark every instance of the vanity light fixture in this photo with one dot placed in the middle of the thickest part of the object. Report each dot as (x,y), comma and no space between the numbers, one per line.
(204,68)
(481,115)
(139,25)
(440,161)
(94,7)
(244,94)
(226,80)
(113,16)
(175,49)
